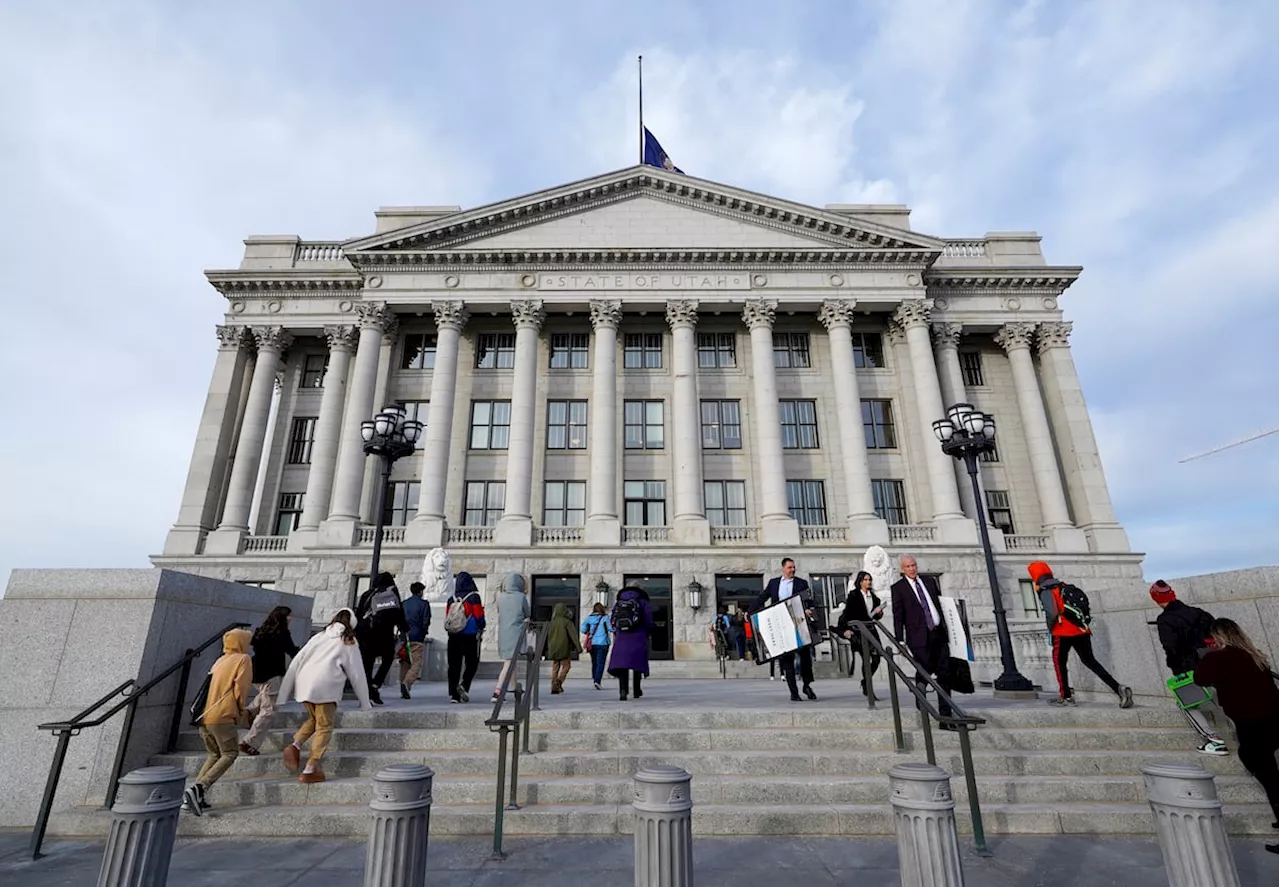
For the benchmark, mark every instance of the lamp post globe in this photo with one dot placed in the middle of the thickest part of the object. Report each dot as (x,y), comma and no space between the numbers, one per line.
(390,435)
(965,434)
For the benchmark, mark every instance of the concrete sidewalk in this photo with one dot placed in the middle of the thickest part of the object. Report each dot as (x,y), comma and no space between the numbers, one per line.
(605,862)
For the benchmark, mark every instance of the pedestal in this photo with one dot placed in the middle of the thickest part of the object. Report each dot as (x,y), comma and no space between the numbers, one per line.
(397,852)
(867,531)
(924,816)
(693,531)
(779,531)
(515,532)
(338,532)
(663,809)
(605,532)
(1188,818)
(225,541)
(144,821)
(425,532)
(1068,540)
(957,531)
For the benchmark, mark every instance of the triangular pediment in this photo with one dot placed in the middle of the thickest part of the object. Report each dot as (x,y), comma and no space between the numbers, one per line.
(642,208)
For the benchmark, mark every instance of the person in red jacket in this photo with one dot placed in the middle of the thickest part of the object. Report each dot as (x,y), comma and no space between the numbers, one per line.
(1069,635)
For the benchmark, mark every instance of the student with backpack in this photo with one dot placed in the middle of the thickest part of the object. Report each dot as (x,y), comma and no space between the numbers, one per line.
(225,708)
(632,620)
(1184,632)
(1068,616)
(463,623)
(380,616)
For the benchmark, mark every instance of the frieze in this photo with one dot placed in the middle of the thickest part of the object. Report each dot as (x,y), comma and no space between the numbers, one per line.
(614,260)
(639,282)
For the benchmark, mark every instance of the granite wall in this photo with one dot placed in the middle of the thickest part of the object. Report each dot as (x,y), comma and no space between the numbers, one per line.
(73,635)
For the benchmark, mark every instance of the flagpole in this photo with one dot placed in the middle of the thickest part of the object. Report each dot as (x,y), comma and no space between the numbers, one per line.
(640,70)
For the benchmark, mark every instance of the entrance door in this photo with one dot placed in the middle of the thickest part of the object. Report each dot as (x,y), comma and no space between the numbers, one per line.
(551,590)
(741,590)
(659,589)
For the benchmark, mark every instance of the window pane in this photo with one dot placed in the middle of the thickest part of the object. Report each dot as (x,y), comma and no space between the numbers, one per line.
(555,495)
(576,495)
(497,494)
(502,412)
(556,412)
(498,438)
(653,437)
(714,494)
(556,437)
(735,494)
(653,412)
(578,412)
(635,514)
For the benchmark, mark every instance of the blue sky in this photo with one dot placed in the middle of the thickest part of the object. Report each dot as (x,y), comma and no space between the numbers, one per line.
(140,145)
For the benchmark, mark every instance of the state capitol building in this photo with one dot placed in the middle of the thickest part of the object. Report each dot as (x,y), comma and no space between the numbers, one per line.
(645,378)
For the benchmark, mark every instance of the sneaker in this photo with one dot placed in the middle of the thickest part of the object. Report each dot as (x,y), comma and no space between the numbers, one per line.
(462,695)
(597,686)
(292,758)
(313,777)
(1126,697)
(454,699)
(1063,700)
(1214,747)
(191,800)
(493,698)
(249,750)
(404,692)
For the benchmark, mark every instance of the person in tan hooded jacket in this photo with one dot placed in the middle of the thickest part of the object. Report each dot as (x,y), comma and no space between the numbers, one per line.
(227,708)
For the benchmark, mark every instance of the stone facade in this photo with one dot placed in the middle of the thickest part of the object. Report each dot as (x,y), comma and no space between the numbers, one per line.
(613,330)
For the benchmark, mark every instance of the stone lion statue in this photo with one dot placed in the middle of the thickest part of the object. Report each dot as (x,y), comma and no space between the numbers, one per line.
(437,575)
(878,563)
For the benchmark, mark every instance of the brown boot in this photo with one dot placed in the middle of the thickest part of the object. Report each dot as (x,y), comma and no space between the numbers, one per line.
(312,777)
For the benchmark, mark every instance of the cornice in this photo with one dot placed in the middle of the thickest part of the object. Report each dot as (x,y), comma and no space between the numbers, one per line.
(313,283)
(1048,279)
(638,259)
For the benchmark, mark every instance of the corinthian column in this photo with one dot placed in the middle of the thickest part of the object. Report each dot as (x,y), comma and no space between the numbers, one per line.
(689,525)
(946,343)
(1086,482)
(427,528)
(1015,339)
(777,526)
(324,450)
(272,341)
(952,526)
(603,526)
(864,526)
(516,525)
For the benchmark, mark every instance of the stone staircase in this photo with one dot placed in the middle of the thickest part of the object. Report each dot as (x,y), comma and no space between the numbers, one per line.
(761,766)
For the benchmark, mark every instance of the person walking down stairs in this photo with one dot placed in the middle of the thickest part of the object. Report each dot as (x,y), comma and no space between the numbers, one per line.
(562,646)
(513,613)
(595,640)
(463,623)
(316,678)
(272,643)
(226,708)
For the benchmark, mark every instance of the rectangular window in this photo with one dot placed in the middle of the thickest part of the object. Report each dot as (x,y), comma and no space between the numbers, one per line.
(971,368)
(1030,600)
(490,424)
(807,502)
(402,503)
(495,351)
(564,503)
(890,501)
(799,419)
(418,351)
(569,351)
(642,351)
(301,436)
(991,455)
(313,368)
(868,351)
(645,503)
(717,351)
(289,513)
(642,424)
(566,425)
(999,511)
(485,500)
(877,423)
(721,425)
(726,502)
(791,350)
(417,411)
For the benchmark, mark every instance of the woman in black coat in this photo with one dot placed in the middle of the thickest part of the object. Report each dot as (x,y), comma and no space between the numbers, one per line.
(861,605)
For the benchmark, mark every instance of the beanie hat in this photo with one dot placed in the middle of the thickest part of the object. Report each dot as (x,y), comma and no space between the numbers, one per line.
(1162,592)
(1038,570)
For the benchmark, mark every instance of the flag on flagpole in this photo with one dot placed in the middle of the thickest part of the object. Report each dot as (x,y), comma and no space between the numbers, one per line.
(655,156)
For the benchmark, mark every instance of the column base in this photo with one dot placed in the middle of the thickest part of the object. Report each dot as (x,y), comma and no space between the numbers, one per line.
(998,544)
(779,531)
(868,531)
(338,532)
(228,540)
(425,532)
(514,531)
(602,531)
(1068,540)
(1106,538)
(956,531)
(300,539)
(184,540)
(691,531)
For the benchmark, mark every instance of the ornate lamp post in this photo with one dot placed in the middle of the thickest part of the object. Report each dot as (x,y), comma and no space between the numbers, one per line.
(602,593)
(695,595)
(389,435)
(966,434)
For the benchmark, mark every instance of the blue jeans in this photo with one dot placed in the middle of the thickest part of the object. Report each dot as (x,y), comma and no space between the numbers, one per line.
(598,656)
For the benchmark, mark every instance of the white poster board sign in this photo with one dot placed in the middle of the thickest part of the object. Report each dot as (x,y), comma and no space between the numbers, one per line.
(958,639)
(781,629)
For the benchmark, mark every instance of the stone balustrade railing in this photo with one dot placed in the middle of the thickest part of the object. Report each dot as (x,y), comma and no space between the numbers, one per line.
(470,535)
(557,534)
(265,543)
(318,252)
(965,249)
(1026,543)
(912,533)
(1031,650)
(823,534)
(390,535)
(646,534)
(730,535)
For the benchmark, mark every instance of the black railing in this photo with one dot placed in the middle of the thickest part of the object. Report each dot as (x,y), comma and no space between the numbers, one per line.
(959,720)
(529,647)
(130,692)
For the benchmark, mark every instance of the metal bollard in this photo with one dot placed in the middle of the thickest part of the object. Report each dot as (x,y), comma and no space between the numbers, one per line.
(664,827)
(924,814)
(397,852)
(144,822)
(1188,818)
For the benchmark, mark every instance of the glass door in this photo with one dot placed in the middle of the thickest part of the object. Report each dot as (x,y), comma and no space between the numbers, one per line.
(551,590)
(659,589)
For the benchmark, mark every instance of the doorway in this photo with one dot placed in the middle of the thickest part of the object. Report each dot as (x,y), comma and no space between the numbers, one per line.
(551,590)
(659,590)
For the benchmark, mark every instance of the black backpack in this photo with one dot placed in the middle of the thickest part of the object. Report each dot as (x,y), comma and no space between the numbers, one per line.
(626,615)
(1075,606)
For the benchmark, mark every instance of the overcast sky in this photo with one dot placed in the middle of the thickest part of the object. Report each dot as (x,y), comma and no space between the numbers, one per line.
(140,143)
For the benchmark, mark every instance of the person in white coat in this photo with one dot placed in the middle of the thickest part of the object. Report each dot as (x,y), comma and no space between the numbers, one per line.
(316,678)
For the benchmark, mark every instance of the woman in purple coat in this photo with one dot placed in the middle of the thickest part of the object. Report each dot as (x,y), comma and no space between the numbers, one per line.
(632,621)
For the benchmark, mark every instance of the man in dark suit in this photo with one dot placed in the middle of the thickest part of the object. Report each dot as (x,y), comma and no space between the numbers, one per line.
(917,621)
(779,589)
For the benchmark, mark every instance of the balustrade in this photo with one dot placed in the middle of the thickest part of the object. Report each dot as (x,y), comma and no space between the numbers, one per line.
(912,533)
(965,249)
(318,252)
(470,536)
(557,534)
(823,534)
(1026,543)
(265,543)
(645,534)
(726,535)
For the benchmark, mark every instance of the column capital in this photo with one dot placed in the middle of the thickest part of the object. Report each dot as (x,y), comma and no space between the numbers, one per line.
(1012,336)
(450,315)
(528,313)
(759,313)
(836,312)
(342,338)
(912,313)
(895,332)
(947,335)
(682,312)
(272,338)
(230,338)
(1053,335)
(606,313)
(374,315)
(390,330)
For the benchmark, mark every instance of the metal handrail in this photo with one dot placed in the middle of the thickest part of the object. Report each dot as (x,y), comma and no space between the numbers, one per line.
(64,730)
(526,700)
(962,721)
